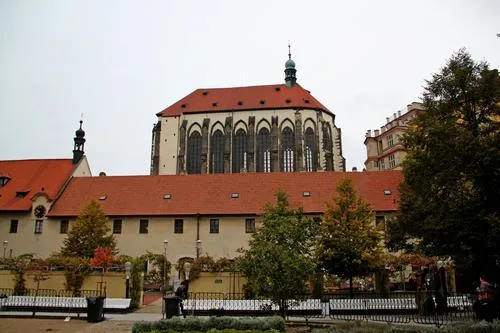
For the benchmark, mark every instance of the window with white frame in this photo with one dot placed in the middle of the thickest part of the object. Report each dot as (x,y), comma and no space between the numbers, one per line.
(64,227)
(392,161)
(249,225)
(117,226)
(214,226)
(390,141)
(38,226)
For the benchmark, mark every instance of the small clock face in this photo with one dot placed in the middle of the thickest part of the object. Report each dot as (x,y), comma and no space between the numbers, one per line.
(40,211)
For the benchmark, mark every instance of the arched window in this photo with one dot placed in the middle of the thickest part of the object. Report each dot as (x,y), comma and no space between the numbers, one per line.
(240,151)
(310,150)
(264,151)
(287,150)
(194,153)
(217,152)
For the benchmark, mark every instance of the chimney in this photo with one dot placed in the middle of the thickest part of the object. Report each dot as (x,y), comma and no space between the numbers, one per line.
(382,129)
(399,113)
(369,133)
(387,119)
(377,132)
(394,115)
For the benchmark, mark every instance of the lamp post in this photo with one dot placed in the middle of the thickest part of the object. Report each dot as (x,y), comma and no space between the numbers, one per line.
(198,248)
(128,266)
(5,244)
(165,245)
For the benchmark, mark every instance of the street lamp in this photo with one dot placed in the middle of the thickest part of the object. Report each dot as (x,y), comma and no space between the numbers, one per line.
(198,248)
(5,243)
(165,245)
(128,267)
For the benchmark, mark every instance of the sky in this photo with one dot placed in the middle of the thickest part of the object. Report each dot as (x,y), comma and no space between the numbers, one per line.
(119,62)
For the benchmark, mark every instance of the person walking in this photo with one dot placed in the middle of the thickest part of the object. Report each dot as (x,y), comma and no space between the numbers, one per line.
(182,293)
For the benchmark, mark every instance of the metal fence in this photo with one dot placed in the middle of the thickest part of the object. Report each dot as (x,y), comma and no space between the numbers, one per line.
(35,300)
(395,307)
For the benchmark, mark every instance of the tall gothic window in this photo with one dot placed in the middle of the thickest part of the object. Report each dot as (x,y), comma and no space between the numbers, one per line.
(217,152)
(264,151)
(310,150)
(328,148)
(194,153)
(287,150)
(239,151)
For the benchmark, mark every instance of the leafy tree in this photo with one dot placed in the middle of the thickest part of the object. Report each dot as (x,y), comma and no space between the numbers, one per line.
(279,259)
(349,244)
(103,258)
(75,270)
(89,232)
(450,194)
(18,266)
(160,266)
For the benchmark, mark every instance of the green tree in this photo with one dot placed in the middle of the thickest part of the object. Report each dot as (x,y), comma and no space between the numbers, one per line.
(160,267)
(279,259)
(349,244)
(89,232)
(450,195)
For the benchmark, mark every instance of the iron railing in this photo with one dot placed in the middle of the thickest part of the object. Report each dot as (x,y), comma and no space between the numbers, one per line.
(395,307)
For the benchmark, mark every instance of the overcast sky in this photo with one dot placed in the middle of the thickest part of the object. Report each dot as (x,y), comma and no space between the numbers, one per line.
(120,62)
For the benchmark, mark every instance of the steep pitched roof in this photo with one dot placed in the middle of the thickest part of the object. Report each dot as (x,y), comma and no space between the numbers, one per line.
(27,178)
(211,194)
(278,96)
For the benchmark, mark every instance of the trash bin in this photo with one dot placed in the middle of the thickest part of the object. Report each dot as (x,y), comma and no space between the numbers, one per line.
(171,306)
(95,309)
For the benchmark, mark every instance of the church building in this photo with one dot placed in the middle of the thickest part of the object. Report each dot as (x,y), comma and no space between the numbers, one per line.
(268,128)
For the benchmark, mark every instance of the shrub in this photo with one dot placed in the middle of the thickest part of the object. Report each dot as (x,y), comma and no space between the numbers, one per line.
(191,324)
(360,327)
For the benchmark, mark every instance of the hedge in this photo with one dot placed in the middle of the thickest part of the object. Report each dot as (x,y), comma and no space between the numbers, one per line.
(201,324)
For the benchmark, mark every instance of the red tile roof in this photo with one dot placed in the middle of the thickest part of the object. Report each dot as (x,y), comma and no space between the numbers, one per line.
(33,177)
(277,96)
(211,194)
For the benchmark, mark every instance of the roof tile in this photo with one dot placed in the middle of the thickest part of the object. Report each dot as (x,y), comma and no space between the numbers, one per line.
(278,96)
(210,194)
(34,177)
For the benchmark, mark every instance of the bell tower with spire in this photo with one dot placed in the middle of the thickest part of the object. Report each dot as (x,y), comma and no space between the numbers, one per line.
(290,71)
(79,144)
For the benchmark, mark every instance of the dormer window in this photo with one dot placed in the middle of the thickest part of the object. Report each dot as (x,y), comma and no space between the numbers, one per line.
(21,194)
(4,180)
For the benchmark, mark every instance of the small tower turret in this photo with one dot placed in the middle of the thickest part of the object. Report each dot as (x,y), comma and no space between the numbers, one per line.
(79,139)
(290,71)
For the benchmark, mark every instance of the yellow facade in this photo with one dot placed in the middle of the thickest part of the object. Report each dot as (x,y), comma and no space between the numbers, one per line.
(114,283)
(384,148)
